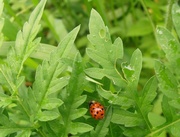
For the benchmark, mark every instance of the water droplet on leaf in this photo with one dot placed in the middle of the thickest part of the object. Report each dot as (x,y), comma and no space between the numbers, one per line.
(159,31)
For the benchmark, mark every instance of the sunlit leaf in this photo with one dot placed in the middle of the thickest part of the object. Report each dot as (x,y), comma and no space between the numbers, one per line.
(167,81)
(133,69)
(104,52)
(170,46)
(126,118)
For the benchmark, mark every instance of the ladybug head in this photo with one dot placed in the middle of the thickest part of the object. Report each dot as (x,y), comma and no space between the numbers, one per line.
(91,102)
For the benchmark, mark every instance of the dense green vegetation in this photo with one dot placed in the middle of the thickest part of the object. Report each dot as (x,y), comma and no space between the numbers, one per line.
(56,56)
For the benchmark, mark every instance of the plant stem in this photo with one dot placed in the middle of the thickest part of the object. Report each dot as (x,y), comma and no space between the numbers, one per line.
(169,23)
(149,17)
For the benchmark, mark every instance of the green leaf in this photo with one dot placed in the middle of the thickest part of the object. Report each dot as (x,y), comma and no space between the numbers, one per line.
(4,131)
(7,127)
(101,129)
(48,115)
(148,95)
(175,129)
(167,81)
(118,99)
(25,43)
(128,119)
(47,79)
(175,103)
(77,127)
(72,98)
(4,120)
(51,103)
(78,113)
(7,78)
(24,46)
(155,119)
(42,51)
(78,101)
(170,46)
(133,69)
(104,52)
(168,111)
(41,102)
(4,100)
(135,132)
(176,18)
(58,84)
(25,133)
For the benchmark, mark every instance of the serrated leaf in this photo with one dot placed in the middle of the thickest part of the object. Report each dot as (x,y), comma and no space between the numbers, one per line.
(72,94)
(42,51)
(176,18)
(40,103)
(76,82)
(167,81)
(24,46)
(117,99)
(7,127)
(126,118)
(104,52)
(133,69)
(48,115)
(47,79)
(66,45)
(148,95)
(170,46)
(101,129)
(25,42)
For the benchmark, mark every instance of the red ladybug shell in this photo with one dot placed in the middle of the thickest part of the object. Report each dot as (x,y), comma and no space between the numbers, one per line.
(96,110)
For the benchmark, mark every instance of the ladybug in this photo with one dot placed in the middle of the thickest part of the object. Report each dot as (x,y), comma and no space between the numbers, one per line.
(96,110)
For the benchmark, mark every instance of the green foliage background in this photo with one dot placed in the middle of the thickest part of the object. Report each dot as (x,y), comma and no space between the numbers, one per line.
(56,56)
